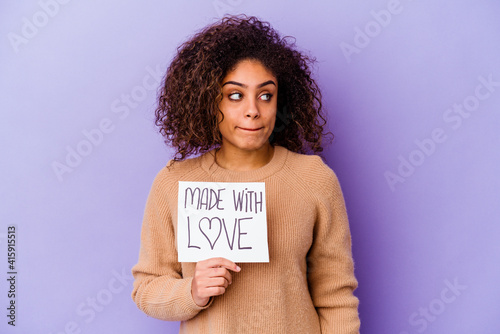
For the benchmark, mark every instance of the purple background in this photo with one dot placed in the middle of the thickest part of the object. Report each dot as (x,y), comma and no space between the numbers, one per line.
(78,232)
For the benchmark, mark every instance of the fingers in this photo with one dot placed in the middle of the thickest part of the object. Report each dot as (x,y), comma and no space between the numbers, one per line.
(219,272)
(215,291)
(221,262)
(211,278)
(216,282)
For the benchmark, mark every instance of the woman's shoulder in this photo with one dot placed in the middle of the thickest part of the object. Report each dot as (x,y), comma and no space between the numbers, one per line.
(175,171)
(309,164)
(311,170)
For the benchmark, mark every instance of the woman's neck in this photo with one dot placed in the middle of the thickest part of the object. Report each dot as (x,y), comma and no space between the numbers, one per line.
(241,160)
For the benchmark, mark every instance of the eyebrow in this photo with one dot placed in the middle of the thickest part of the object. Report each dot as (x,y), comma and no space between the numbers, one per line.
(245,86)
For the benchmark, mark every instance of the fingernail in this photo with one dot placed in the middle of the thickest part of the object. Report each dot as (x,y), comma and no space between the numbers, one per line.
(238,268)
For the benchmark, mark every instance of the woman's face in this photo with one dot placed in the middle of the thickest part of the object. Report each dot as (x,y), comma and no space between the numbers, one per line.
(249,103)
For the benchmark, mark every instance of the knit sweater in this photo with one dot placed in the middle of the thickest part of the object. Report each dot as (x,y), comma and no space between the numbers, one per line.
(307,286)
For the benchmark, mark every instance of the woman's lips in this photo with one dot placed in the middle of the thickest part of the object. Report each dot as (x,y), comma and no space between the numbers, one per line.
(249,129)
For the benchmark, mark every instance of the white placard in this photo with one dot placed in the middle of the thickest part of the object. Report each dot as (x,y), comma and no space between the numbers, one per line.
(222,219)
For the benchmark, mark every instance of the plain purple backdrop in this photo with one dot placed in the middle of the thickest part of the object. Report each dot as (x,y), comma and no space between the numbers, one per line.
(412,91)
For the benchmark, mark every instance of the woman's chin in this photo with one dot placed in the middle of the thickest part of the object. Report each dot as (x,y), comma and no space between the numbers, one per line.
(251,147)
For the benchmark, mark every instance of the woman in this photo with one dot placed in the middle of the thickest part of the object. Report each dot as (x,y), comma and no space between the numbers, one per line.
(243,99)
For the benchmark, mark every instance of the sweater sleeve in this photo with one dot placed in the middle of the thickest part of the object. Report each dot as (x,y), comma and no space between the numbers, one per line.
(159,288)
(330,265)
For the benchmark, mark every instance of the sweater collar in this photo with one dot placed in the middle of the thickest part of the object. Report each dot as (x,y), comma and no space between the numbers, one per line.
(225,175)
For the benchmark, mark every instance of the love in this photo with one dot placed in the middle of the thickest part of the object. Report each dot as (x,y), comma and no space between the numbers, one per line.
(211,229)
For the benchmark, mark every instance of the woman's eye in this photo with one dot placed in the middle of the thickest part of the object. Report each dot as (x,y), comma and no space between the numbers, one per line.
(266,97)
(235,96)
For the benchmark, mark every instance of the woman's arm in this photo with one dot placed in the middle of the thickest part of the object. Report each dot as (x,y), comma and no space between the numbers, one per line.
(330,265)
(159,289)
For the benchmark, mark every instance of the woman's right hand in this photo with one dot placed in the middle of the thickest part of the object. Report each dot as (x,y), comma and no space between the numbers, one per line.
(211,278)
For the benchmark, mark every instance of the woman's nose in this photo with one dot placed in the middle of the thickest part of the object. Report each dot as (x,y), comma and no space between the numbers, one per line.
(252,110)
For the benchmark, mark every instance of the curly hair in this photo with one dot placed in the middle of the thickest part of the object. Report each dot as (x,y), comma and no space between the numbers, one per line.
(188,100)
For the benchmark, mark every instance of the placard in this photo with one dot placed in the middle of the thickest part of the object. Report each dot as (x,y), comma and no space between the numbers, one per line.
(222,219)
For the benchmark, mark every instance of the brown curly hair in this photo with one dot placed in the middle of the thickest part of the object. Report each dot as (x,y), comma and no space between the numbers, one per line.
(188,101)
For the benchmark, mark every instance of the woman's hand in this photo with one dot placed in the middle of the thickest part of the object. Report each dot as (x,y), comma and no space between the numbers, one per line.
(211,278)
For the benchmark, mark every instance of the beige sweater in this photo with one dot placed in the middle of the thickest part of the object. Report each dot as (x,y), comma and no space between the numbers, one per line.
(307,287)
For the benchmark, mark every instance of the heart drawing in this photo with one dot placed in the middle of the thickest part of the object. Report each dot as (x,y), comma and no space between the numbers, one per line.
(212,234)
